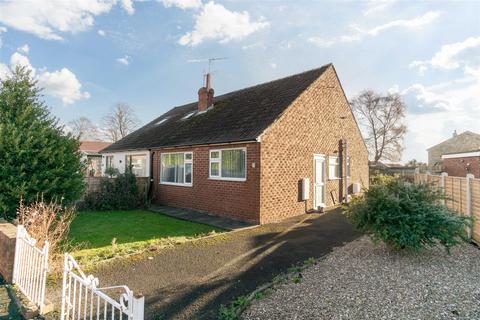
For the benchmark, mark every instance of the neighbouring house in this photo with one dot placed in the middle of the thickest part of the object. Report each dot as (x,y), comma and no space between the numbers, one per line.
(462,142)
(90,151)
(259,154)
(138,160)
(462,163)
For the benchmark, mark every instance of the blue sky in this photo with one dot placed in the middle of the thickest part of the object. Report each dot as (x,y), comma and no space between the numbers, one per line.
(91,54)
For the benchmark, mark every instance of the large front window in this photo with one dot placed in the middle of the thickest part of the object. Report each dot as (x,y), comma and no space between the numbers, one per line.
(177,168)
(228,164)
(137,163)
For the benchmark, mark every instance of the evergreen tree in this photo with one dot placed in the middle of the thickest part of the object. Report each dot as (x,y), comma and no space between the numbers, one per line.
(36,156)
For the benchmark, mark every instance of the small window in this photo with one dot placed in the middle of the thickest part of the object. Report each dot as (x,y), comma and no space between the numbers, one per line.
(161,121)
(348,167)
(177,168)
(333,168)
(108,162)
(228,164)
(188,115)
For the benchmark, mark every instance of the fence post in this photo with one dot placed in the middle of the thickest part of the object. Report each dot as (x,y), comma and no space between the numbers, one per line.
(16,255)
(469,201)
(442,185)
(137,307)
(64,287)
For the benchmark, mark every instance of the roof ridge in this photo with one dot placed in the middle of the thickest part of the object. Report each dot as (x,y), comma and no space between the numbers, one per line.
(257,85)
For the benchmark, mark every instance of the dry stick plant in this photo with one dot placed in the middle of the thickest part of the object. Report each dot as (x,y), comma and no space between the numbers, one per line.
(47,221)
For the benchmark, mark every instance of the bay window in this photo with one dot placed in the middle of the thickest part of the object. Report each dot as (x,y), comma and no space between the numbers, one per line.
(228,164)
(176,168)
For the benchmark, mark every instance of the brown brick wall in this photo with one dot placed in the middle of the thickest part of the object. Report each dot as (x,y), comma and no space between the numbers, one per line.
(458,166)
(311,125)
(235,199)
(7,249)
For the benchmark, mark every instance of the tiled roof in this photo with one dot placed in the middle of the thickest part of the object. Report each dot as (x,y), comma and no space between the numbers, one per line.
(236,116)
(93,146)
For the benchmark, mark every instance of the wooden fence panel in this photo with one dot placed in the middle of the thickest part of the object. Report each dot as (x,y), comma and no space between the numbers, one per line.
(455,189)
(475,184)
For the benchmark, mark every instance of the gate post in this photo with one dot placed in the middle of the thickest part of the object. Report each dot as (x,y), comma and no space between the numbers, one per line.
(469,201)
(137,307)
(442,185)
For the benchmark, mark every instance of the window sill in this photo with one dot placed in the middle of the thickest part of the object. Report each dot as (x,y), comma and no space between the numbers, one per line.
(177,184)
(228,179)
(334,179)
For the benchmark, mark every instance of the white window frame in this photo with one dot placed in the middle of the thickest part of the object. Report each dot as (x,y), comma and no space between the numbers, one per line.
(330,164)
(185,161)
(137,155)
(107,164)
(219,161)
(348,168)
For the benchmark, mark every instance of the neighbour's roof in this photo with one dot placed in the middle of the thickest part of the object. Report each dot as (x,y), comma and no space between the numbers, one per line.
(236,116)
(456,138)
(93,146)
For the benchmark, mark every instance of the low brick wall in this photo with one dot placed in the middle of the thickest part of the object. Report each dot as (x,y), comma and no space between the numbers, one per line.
(7,249)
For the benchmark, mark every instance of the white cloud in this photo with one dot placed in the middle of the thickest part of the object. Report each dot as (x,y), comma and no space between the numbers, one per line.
(448,56)
(436,110)
(101,33)
(62,84)
(17,59)
(24,49)
(273,65)
(182,4)
(376,6)
(255,45)
(125,60)
(2,30)
(47,19)
(127,5)
(359,33)
(215,22)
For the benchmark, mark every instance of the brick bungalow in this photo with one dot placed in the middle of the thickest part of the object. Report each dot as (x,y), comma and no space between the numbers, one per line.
(260,154)
(459,164)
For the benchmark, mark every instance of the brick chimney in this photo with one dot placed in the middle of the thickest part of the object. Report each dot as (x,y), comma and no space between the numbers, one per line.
(205,95)
(454,133)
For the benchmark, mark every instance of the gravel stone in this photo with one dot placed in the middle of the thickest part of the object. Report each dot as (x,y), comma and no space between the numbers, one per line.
(362,280)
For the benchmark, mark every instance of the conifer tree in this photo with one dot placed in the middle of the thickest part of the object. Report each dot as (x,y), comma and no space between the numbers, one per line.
(36,156)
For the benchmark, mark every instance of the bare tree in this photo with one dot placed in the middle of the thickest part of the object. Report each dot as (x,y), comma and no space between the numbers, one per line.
(84,129)
(381,119)
(120,122)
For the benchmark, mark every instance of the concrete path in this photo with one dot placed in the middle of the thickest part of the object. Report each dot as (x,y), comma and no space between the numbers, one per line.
(200,217)
(192,280)
(8,309)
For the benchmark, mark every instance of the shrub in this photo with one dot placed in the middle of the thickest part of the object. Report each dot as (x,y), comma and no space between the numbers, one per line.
(382,179)
(46,221)
(119,193)
(406,215)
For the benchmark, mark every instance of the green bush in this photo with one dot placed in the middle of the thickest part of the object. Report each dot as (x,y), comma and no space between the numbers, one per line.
(382,179)
(405,215)
(119,193)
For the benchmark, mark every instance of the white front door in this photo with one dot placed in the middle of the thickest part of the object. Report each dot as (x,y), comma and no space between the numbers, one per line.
(319,181)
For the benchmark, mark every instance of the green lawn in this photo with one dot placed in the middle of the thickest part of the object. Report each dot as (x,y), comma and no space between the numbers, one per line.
(98,229)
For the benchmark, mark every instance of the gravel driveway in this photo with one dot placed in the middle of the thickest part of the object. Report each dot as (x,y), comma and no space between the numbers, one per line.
(365,281)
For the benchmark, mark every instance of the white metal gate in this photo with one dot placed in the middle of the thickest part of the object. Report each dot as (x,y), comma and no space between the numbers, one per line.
(30,267)
(82,299)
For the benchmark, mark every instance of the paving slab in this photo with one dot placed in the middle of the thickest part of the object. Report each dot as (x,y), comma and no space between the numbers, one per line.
(201,217)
